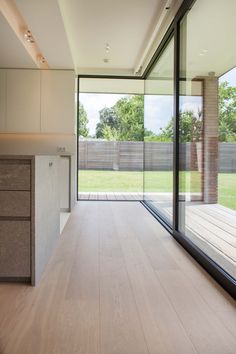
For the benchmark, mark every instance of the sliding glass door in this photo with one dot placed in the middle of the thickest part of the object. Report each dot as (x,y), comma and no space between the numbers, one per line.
(158,135)
(207,134)
(190,134)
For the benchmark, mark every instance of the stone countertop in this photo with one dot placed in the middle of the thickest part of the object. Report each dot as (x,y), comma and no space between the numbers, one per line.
(30,156)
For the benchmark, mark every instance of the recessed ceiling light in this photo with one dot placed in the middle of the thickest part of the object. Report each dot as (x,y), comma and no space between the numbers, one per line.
(107,47)
(41,59)
(28,36)
(211,73)
(168,4)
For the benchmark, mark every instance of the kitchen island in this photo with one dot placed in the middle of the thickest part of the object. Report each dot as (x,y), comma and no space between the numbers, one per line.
(29,215)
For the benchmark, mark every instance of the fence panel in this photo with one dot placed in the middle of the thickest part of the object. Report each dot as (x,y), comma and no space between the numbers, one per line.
(128,155)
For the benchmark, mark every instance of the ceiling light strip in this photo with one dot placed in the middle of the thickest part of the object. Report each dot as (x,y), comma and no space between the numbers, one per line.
(14,18)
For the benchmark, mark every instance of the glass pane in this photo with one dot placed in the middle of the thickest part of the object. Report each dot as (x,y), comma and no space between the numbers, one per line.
(158,135)
(207,207)
(110,139)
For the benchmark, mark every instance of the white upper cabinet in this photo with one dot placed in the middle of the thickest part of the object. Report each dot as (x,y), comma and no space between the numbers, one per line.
(57,101)
(37,101)
(23,101)
(2,100)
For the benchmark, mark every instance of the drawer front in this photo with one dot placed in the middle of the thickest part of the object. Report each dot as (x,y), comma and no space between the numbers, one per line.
(15,248)
(14,204)
(14,175)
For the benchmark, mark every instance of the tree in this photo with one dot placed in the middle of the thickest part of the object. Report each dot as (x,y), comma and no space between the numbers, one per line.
(130,114)
(227,112)
(82,121)
(190,127)
(109,133)
(191,124)
(123,121)
(149,135)
(107,119)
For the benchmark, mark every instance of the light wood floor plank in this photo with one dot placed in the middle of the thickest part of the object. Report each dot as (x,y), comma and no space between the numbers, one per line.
(212,293)
(196,316)
(178,261)
(156,312)
(117,284)
(121,329)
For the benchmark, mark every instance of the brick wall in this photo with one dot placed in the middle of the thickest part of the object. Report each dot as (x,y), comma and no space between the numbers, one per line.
(210,139)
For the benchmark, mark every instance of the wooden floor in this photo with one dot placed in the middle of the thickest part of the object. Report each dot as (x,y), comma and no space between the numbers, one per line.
(212,227)
(110,196)
(117,284)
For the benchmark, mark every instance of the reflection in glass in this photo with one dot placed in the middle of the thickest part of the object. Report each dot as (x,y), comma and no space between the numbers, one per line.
(207,167)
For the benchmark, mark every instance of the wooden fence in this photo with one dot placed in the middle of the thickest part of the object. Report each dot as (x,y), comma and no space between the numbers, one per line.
(129,156)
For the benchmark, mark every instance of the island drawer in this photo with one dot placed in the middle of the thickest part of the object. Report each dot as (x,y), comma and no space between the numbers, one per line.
(15,174)
(15,203)
(15,248)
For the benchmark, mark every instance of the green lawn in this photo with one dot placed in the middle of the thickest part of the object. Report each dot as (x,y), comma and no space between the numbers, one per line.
(227,189)
(110,181)
(155,181)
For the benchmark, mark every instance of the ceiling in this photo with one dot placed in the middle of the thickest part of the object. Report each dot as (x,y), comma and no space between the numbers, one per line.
(13,53)
(45,22)
(209,30)
(124,24)
(72,34)
(206,34)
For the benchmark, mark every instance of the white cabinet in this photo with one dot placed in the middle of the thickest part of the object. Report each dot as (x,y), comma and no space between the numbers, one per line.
(2,99)
(57,101)
(23,101)
(37,101)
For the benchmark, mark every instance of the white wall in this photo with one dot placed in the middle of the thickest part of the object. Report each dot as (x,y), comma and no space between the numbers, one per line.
(111,85)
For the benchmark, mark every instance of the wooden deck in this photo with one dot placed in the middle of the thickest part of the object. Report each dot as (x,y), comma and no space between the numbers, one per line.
(213,228)
(117,284)
(111,196)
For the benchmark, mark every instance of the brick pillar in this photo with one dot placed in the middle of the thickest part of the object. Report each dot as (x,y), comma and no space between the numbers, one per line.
(194,157)
(210,139)
(196,150)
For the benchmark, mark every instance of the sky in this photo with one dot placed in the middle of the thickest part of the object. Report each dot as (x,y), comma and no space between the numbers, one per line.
(230,76)
(158,110)
(93,103)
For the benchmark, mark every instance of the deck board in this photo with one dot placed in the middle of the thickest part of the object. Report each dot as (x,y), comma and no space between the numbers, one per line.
(111,196)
